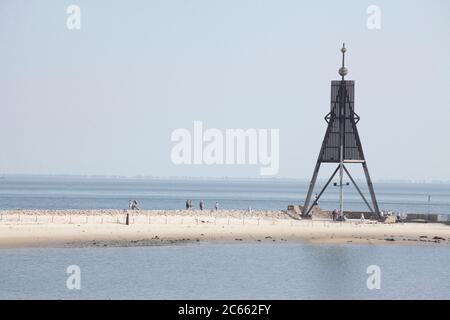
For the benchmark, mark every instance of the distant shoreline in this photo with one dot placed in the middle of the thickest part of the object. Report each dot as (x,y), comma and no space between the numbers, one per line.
(211,179)
(104,228)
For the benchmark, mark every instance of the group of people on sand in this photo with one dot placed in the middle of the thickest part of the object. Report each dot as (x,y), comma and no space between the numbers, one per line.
(133,205)
(338,215)
(399,217)
(201,205)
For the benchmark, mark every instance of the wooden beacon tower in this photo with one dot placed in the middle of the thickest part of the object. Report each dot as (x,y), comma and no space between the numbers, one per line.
(341,143)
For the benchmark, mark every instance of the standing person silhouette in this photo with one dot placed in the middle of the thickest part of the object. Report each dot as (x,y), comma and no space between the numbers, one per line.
(134,205)
(335,214)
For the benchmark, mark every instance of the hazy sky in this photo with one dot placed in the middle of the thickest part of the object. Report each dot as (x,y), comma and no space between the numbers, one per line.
(105,99)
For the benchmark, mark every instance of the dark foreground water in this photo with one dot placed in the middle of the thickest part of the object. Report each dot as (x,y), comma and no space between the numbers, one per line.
(90,193)
(242,271)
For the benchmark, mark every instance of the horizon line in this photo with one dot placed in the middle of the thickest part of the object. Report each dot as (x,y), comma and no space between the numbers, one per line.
(231,178)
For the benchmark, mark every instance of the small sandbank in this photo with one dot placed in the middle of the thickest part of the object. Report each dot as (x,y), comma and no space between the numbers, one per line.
(103,228)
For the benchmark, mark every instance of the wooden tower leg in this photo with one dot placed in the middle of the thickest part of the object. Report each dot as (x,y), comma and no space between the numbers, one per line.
(372,192)
(311,189)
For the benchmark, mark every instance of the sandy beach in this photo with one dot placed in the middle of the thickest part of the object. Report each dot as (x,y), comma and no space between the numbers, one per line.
(102,228)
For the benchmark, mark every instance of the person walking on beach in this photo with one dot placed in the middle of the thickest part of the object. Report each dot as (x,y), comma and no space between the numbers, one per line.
(334,213)
(216,206)
(201,205)
(190,204)
(187,204)
(134,205)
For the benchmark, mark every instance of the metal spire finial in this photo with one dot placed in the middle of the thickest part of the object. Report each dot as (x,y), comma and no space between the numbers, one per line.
(343,70)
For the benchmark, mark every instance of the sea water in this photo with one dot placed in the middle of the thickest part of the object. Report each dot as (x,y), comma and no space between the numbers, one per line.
(28,192)
(228,271)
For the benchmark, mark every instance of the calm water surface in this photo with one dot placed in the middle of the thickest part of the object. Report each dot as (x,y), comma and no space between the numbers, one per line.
(243,271)
(88,193)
